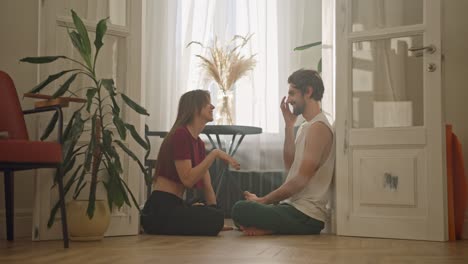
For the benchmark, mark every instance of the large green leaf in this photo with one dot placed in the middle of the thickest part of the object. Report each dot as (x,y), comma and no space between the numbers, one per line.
(70,181)
(97,159)
(101,29)
(120,125)
(75,195)
(88,157)
(65,86)
(69,165)
(74,153)
(68,156)
(50,127)
(115,191)
(78,44)
(41,60)
(76,41)
(66,132)
(106,138)
(110,200)
(67,149)
(90,93)
(139,109)
(130,153)
(115,194)
(91,204)
(115,107)
(73,177)
(111,155)
(72,133)
(148,143)
(147,172)
(92,144)
(124,193)
(66,188)
(49,79)
(310,45)
(130,192)
(80,185)
(136,136)
(109,85)
(52,214)
(86,44)
(116,160)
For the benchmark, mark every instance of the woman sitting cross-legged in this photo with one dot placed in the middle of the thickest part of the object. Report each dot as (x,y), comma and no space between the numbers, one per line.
(182,164)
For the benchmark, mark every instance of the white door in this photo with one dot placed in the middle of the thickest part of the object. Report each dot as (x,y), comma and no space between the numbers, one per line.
(120,58)
(390,174)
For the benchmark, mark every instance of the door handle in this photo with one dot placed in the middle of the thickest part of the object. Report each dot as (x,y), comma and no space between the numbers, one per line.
(429,49)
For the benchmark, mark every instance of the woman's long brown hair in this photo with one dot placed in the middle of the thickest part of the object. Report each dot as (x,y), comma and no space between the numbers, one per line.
(190,104)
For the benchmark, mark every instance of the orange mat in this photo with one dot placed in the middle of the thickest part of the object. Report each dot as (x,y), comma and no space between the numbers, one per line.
(457,188)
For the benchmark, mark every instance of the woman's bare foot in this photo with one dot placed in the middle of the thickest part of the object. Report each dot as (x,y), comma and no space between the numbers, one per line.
(253,231)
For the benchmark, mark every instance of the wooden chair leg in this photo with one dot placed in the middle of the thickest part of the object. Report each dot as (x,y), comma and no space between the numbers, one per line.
(9,203)
(62,208)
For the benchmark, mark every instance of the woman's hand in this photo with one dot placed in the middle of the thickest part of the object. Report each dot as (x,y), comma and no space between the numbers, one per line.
(289,117)
(228,159)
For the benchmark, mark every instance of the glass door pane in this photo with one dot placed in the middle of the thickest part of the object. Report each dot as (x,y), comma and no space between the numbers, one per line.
(387,83)
(377,14)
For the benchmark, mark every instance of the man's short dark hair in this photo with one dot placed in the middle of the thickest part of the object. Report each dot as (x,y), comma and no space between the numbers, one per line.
(302,78)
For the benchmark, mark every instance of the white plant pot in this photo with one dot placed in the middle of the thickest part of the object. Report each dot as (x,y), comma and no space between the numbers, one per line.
(80,227)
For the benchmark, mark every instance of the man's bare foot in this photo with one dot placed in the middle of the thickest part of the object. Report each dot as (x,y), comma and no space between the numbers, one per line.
(253,231)
(227,228)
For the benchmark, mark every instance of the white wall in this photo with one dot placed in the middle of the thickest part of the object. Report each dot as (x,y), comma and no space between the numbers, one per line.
(19,31)
(455,40)
(312,32)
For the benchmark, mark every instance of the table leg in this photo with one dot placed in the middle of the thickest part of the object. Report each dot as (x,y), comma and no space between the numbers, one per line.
(223,176)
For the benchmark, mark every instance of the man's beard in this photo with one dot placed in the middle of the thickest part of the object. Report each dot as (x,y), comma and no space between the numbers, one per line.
(298,110)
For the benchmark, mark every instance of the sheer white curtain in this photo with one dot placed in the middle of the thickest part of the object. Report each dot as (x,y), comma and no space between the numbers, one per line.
(172,69)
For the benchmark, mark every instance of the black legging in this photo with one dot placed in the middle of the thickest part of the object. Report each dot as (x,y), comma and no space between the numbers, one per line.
(166,214)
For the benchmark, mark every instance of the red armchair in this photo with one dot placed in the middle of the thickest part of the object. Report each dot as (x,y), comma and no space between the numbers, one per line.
(17,152)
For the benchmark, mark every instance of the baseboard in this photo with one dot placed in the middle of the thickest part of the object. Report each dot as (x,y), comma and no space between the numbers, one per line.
(22,223)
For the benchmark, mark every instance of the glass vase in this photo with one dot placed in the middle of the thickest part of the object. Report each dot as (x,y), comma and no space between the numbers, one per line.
(224,114)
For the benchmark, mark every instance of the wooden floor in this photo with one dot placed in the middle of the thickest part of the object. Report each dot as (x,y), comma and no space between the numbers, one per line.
(233,247)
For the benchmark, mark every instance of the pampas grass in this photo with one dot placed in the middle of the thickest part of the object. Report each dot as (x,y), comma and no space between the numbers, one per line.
(225,64)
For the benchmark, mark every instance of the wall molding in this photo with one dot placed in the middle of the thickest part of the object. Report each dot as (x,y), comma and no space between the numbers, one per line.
(22,222)
(112,30)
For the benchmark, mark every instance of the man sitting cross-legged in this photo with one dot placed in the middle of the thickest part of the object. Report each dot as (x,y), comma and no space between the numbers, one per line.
(298,205)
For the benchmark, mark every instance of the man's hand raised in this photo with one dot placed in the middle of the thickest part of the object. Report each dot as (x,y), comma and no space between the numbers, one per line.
(289,117)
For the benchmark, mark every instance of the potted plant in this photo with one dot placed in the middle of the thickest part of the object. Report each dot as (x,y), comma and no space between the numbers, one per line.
(102,161)
(310,45)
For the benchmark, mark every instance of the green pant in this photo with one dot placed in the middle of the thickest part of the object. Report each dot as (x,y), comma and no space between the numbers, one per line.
(281,218)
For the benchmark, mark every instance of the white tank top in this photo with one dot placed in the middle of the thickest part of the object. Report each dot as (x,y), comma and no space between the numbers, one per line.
(313,199)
